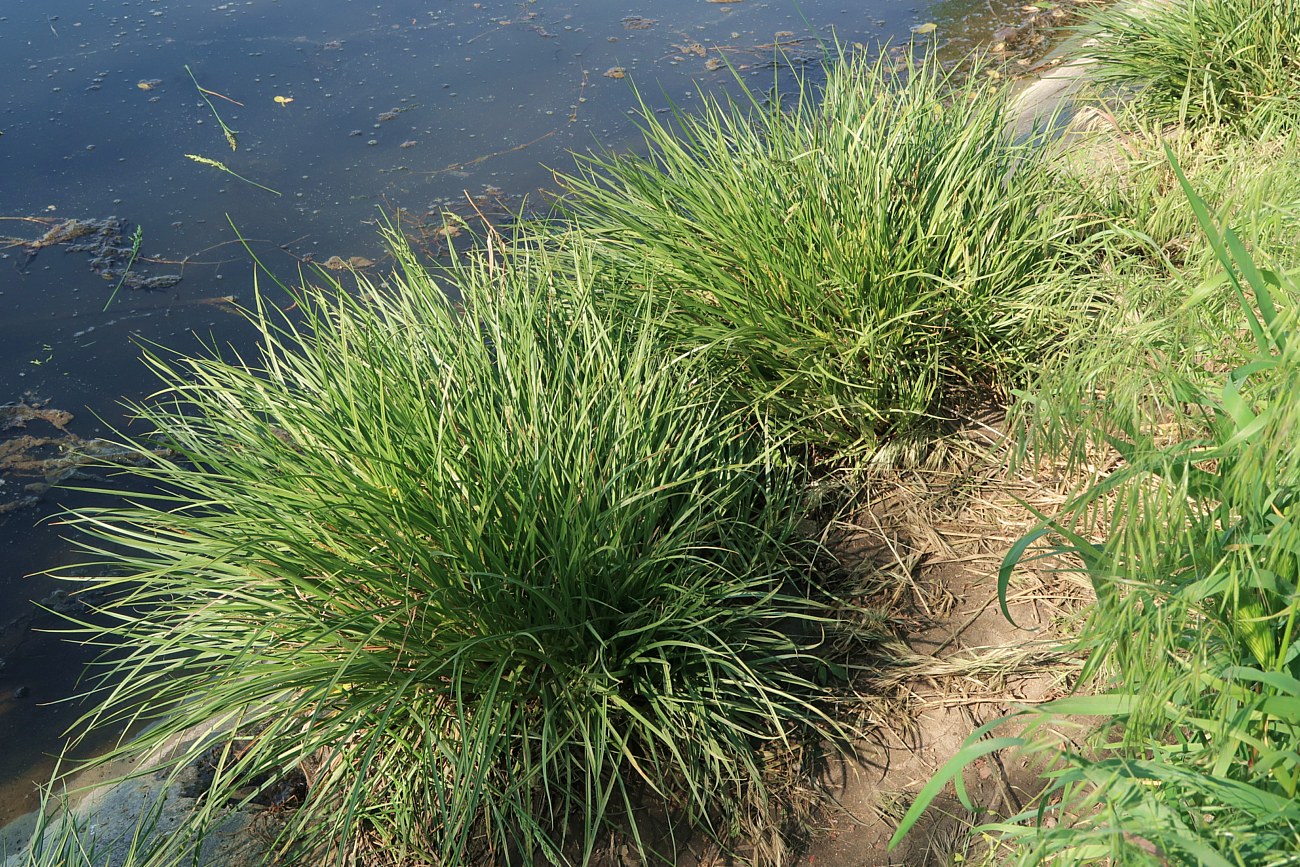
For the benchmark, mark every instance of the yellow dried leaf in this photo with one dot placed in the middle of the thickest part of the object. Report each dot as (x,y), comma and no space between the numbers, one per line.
(283,100)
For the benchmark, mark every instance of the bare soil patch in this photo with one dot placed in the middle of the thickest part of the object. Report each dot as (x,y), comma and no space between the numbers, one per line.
(940,533)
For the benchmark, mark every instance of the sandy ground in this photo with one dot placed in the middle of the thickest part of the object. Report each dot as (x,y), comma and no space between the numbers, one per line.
(963,664)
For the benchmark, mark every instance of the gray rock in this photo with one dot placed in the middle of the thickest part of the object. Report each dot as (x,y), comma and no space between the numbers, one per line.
(136,809)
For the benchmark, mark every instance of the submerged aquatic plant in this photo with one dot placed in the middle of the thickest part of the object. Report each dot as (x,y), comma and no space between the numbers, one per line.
(851,257)
(498,578)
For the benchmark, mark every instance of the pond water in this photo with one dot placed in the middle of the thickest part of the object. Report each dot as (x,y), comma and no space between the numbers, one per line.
(340,112)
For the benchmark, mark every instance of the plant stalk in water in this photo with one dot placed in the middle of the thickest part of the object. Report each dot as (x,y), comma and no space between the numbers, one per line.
(217,164)
(136,238)
(203,92)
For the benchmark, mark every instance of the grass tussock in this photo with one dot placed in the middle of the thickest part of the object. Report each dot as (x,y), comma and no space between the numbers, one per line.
(1205,62)
(494,577)
(852,258)
(1181,404)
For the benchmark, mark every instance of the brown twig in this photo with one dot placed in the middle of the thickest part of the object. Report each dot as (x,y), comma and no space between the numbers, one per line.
(1010,803)
(485,157)
(582,89)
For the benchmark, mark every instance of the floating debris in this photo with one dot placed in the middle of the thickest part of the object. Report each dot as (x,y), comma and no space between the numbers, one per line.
(148,284)
(148,83)
(338,263)
(392,113)
(636,22)
(219,301)
(70,230)
(205,93)
(24,502)
(110,250)
(616,72)
(54,460)
(30,465)
(62,602)
(17,415)
(220,166)
(1020,44)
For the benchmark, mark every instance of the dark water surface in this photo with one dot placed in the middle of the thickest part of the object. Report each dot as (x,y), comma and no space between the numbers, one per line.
(348,110)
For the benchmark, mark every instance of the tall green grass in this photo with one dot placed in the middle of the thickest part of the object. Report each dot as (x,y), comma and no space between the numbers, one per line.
(853,257)
(1193,547)
(1198,62)
(1254,186)
(1167,309)
(499,580)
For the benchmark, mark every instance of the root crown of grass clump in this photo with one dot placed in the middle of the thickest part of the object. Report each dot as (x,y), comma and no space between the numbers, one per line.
(493,575)
(851,257)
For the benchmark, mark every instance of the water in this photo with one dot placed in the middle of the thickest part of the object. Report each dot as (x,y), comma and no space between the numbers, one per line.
(349,111)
